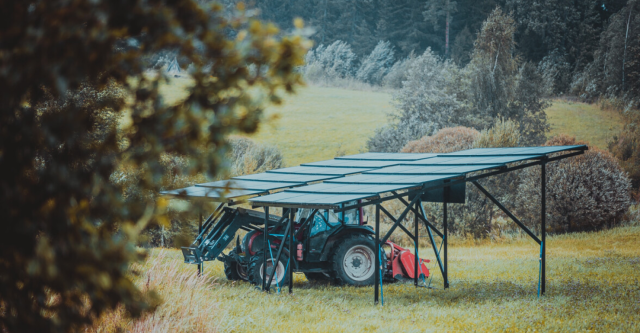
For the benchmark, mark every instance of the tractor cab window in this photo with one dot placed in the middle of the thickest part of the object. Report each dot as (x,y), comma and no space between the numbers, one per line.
(318,225)
(349,217)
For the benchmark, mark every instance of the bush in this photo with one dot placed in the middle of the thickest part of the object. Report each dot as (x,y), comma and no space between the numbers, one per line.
(587,192)
(425,104)
(447,140)
(248,157)
(504,133)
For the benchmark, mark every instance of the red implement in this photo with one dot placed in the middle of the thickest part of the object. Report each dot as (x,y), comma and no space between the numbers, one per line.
(402,263)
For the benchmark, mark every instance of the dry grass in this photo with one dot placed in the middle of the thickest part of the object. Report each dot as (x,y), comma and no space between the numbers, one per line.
(587,122)
(592,286)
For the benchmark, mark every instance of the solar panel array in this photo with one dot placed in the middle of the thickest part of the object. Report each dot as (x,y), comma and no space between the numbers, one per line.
(363,176)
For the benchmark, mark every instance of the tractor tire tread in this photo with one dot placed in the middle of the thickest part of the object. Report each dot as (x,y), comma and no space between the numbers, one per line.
(336,275)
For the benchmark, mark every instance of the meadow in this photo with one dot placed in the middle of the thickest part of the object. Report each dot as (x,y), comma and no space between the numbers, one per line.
(592,286)
(320,123)
(592,282)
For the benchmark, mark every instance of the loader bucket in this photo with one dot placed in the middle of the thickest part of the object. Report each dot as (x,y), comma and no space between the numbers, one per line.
(192,255)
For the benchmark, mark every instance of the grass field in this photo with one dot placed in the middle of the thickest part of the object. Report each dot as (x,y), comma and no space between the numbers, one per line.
(319,123)
(592,286)
(584,121)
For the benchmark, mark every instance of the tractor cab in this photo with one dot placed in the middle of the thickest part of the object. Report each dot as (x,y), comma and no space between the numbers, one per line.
(326,227)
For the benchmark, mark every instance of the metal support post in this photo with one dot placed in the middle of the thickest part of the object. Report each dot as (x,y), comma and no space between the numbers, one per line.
(276,259)
(543,228)
(266,248)
(200,232)
(291,249)
(376,282)
(446,236)
(416,243)
(433,242)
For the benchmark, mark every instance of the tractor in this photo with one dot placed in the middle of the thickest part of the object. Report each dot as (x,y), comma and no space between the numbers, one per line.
(338,248)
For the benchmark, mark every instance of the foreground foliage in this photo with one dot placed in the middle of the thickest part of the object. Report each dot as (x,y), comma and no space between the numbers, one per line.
(67,230)
(592,285)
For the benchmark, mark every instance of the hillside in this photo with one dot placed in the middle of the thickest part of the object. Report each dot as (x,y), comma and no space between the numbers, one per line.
(319,123)
(592,286)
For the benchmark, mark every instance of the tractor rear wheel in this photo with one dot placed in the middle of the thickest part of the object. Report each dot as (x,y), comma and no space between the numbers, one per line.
(234,271)
(256,263)
(354,261)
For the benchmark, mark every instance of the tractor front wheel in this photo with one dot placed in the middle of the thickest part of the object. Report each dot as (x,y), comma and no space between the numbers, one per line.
(256,267)
(354,261)
(234,271)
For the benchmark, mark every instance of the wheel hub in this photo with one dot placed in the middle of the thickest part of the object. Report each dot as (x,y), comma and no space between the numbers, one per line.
(279,272)
(359,263)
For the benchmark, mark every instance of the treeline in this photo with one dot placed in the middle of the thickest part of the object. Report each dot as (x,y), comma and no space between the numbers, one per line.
(566,35)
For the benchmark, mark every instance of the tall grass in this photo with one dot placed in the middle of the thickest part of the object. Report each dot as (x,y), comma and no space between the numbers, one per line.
(592,286)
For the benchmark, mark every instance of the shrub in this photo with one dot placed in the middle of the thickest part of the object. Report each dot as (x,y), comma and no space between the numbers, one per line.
(425,104)
(586,192)
(504,133)
(248,157)
(445,141)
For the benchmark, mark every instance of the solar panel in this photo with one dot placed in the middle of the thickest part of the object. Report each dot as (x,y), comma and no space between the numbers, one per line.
(347,188)
(282,177)
(392,179)
(472,160)
(366,175)
(388,156)
(434,169)
(320,171)
(353,163)
(515,151)
(308,199)
(249,184)
(206,192)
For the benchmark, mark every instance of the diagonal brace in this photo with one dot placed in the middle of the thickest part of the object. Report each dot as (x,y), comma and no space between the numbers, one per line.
(399,224)
(423,217)
(506,211)
(402,216)
(433,242)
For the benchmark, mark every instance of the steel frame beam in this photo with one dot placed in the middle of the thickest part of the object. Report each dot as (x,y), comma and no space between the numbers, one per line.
(376,280)
(506,211)
(422,216)
(287,231)
(433,242)
(399,224)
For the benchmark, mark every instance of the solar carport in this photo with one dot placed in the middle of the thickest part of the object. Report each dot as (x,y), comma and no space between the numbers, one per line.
(356,181)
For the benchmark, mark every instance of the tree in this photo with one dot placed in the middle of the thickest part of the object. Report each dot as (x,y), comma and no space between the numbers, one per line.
(68,234)
(377,64)
(498,86)
(426,103)
(611,72)
(438,10)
